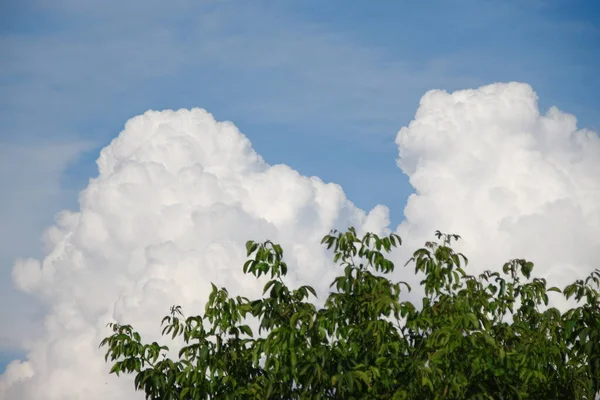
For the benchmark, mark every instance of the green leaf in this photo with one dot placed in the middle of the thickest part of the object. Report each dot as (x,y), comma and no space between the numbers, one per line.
(250,247)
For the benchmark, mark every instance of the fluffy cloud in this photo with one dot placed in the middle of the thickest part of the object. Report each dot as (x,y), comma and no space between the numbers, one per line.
(512,182)
(178,194)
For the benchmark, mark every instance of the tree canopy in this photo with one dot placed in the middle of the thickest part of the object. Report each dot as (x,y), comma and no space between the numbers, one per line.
(491,336)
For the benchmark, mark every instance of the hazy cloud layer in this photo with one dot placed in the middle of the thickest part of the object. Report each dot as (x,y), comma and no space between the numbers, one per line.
(178,194)
(30,178)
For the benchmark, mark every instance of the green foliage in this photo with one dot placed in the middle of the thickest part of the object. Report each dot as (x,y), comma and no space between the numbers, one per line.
(485,337)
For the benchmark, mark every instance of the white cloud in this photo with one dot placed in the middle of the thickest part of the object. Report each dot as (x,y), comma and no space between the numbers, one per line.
(178,195)
(512,182)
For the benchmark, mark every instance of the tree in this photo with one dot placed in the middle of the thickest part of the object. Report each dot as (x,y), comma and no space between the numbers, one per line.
(490,336)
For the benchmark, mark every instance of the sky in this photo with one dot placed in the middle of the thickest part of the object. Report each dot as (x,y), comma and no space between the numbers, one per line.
(317,93)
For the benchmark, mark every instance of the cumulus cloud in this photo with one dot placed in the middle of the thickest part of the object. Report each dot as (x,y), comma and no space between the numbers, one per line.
(178,194)
(513,182)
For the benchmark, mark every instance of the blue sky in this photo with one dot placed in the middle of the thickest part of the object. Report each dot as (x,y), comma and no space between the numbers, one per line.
(320,86)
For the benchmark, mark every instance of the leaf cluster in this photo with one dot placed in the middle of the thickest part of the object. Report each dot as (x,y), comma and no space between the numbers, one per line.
(491,336)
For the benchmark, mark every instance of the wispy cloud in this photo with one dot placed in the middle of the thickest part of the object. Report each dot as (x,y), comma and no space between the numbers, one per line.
(265,65)
(30,178)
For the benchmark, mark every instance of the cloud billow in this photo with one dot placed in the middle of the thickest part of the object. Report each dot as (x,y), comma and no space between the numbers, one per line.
(177,196)
(179,193)
(514,183)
